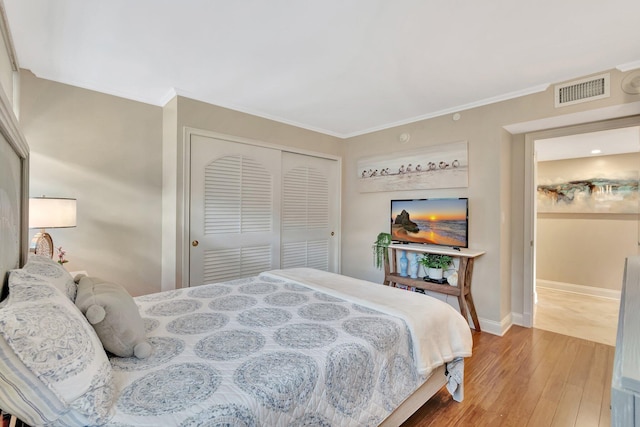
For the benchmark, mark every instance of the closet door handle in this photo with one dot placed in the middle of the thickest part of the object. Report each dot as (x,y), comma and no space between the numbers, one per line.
(195,243)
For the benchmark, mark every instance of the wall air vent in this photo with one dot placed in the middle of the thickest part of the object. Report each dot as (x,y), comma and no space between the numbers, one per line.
(583,90)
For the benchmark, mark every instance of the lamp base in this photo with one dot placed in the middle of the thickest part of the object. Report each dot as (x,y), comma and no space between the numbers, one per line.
(42,244)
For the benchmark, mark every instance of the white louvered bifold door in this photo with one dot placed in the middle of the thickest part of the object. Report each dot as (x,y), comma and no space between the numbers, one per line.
(235,204)
(310,209)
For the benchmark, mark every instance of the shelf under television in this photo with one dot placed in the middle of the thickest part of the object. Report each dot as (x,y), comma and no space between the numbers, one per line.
(465,270)
(431,249)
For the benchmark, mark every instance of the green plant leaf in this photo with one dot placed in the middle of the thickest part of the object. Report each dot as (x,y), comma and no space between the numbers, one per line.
(380,249)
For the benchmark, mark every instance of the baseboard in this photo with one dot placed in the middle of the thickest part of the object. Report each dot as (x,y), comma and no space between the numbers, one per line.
(579,289)
(517,319)
(496,328)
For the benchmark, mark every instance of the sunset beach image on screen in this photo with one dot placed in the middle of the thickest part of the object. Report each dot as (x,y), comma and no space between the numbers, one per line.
(441,221)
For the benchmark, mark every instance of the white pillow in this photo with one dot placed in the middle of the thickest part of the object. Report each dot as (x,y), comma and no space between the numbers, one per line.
(52,272)
(53,369)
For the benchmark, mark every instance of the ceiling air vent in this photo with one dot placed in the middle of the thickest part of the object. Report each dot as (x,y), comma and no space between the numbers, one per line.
(583,90)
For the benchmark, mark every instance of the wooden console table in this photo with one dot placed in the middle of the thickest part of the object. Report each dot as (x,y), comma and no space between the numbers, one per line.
(462,291)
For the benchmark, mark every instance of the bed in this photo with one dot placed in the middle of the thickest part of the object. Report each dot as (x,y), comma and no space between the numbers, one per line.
(295,347)
(286,347)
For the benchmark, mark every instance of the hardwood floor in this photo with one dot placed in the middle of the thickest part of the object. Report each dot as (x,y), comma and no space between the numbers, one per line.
(528,377)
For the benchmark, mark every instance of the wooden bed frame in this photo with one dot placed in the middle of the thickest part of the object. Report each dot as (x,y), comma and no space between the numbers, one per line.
(426,391)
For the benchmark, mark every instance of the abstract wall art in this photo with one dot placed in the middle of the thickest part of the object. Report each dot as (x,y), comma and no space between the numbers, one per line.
(616,193)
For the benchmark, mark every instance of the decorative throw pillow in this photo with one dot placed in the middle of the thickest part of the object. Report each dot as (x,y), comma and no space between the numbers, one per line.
(54,369)
(52,272)
(115,317)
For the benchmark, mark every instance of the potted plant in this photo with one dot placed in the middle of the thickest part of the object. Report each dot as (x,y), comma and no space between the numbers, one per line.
(380,252)
(435,264)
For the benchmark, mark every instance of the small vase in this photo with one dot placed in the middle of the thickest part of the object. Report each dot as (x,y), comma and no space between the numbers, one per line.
(403,263)
(413,266)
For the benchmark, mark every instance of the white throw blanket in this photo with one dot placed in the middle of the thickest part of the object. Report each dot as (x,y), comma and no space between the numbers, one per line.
(440,333)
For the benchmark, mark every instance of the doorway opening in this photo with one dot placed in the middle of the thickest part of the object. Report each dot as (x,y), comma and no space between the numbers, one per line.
(583,225)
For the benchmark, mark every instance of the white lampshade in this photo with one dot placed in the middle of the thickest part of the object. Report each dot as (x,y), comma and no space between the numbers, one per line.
(45,212)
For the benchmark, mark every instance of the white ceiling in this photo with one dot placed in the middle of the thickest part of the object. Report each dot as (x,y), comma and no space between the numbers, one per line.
(339,67)
(607,142)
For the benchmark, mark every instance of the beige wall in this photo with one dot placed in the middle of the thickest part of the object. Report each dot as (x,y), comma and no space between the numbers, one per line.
(585,249)
(366,214)
(106,152)
(200,115)
(496,190)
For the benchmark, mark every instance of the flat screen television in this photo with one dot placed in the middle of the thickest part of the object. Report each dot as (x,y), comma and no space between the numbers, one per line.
(443,222)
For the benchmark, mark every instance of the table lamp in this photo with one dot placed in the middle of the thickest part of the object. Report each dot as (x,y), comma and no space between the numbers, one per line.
(49,212)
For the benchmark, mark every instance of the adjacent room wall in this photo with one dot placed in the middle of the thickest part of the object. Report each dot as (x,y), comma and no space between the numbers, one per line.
(106,152)
(585,249)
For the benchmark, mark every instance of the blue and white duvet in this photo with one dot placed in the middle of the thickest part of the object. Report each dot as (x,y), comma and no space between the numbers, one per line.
(281,349)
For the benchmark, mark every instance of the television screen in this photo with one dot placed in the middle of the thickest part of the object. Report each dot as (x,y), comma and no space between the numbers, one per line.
(442,222)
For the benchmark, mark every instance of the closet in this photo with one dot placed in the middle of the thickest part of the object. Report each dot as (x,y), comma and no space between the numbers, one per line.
(256,207)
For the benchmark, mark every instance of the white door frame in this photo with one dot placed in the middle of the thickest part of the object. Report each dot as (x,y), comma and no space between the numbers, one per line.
(530,199)
(184,201)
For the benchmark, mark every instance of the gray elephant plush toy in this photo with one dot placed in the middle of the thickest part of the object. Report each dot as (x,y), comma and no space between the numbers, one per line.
(115,317)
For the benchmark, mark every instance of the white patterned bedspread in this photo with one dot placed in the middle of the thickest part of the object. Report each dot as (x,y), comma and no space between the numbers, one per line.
(277,351)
